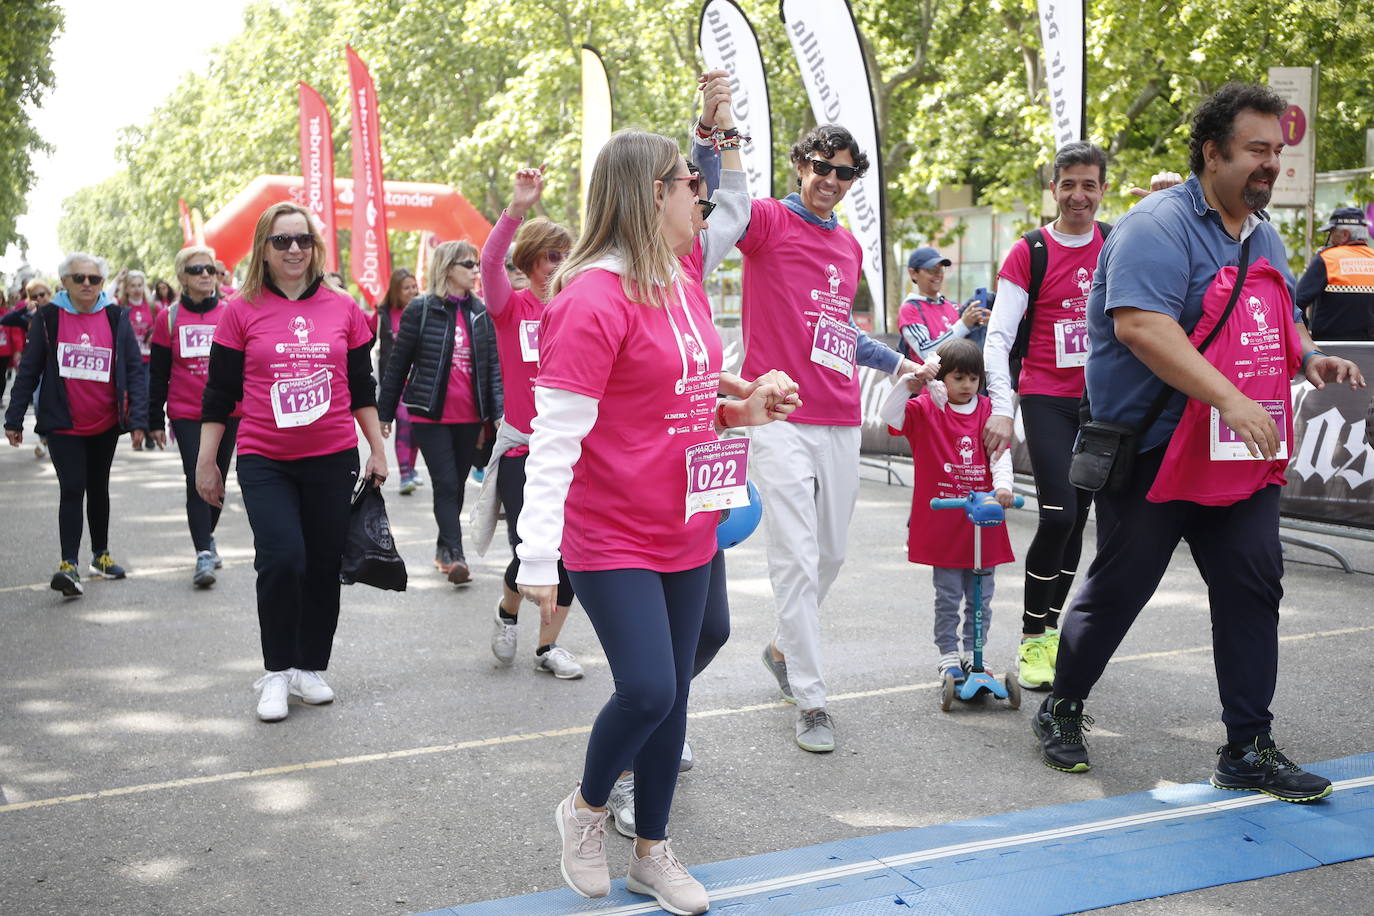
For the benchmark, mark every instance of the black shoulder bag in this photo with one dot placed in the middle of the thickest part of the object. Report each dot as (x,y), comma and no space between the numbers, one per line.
(1104,453)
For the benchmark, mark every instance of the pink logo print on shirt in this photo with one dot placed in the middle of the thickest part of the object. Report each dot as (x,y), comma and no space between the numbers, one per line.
(1259,312)
(1084,279)
(301,327)
(696,351)
(966,450)
(832,274)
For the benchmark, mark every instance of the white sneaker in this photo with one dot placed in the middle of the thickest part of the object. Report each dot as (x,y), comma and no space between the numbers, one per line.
(621,804)
(273,688)
(583,860)
(310,687)
(661,876)
(503,638)
(687,761)
(559,662)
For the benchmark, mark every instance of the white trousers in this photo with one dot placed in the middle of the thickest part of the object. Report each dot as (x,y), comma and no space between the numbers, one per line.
(809,479)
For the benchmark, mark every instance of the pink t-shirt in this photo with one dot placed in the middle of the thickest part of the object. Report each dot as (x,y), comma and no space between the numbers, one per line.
(296,402)
(795,272)
(190,343)
(85,362)
(937,317)
(516,315)
(1058,347)
(460,405)
(143,318)
(628,499)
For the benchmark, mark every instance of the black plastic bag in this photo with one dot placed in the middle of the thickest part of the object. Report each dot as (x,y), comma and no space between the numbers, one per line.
(370,555)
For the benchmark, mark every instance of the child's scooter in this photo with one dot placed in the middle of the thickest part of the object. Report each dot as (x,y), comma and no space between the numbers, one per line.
(984,511)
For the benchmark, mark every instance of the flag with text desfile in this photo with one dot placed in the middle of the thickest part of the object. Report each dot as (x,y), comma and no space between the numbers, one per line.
(317,168)
(371,265)
(1061,33)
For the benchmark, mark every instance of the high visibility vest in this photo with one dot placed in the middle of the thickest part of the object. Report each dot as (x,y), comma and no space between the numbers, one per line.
(1349,268)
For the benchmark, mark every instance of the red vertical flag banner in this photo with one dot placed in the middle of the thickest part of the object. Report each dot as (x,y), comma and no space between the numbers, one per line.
(188,232)
(317,168)
(371,254)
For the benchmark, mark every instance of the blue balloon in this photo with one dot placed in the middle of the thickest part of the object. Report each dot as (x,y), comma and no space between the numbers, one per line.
(736,524)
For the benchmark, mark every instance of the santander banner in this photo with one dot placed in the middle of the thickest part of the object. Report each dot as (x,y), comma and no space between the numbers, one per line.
(317,167)
(1061,32)
(370,252)
(825,40)
(728,42)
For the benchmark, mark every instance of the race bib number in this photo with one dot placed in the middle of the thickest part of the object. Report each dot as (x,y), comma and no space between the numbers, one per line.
(529,341)
(1227,446)
(835,345)
(83,361)
(1071,343)
(195,339)
(300,401)
(717,475)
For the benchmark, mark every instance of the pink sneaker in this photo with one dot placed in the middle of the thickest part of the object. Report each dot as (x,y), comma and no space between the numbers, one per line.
(661,876)
(583,861)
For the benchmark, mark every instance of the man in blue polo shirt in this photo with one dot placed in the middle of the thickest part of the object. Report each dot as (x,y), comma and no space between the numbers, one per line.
(1147,296)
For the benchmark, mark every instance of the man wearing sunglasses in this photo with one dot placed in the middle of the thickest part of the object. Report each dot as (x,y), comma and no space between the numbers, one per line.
(801,272)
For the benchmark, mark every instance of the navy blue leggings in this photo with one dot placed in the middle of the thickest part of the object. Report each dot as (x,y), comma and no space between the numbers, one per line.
(649,624)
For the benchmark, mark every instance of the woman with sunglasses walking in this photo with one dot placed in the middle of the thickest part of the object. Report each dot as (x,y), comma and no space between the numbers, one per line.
(297,354)
(540,246)
(177,373)
(444,368)
(84,352)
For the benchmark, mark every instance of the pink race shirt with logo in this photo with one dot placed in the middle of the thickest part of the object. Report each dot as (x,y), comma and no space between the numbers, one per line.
(459,403)
(1058,346)
(1259,351)
(85,363)
(296,402)
(627,503)
(950,462)
(190,344)
(795,273)
(938,317)
(143,319)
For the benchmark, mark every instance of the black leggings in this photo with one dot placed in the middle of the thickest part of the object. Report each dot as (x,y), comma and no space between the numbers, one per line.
(448,449)
(510,486)
(1052,560)
(201,517)
(83,474)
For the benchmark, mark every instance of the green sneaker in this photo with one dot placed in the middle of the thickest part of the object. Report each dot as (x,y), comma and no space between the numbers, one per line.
(1052,645)
(1034,669)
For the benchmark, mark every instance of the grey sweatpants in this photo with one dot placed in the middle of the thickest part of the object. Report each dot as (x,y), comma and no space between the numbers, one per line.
(952,585)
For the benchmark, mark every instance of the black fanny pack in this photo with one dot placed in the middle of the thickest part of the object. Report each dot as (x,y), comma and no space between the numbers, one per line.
(1104,453)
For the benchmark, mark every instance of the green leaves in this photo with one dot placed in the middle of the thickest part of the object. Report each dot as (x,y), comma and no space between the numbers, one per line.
(27,30)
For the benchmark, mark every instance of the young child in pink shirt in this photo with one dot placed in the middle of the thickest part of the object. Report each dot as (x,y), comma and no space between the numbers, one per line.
(941,413)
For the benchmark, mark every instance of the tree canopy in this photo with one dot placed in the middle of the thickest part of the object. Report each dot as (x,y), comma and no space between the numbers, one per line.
(27,30)
(472,90)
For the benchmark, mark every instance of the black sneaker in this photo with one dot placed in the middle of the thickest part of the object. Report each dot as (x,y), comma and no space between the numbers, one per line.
(1060,724)
(105,566)
(1263,768)
(67,580)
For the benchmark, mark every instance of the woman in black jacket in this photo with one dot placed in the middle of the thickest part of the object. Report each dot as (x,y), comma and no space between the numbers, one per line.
(83,351)
(445,358)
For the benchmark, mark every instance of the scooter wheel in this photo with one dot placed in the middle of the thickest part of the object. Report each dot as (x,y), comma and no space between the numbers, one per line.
(947,692)
(1013,691)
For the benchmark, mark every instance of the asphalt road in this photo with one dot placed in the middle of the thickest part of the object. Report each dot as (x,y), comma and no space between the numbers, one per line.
(431,781)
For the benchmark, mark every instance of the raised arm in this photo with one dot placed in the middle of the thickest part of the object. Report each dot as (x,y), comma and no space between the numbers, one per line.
(496,288)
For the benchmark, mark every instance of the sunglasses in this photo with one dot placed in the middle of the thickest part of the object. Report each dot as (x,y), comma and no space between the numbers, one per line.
(468,264)
(196,270)
(707,208)
(83,279)
(823,168)
(305,241)
(693,183)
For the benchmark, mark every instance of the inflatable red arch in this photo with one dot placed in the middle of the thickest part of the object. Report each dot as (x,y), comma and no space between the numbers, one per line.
(410,206)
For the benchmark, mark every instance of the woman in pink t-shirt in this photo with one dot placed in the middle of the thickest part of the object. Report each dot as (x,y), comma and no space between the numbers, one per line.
(539,248)
(178,369)
(443,367)
(83,352)
(399,292)
(623,437)
(296,355)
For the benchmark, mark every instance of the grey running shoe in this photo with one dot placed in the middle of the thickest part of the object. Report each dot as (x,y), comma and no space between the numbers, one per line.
(621,804)
(661,876)
(559,662)
(779,671)
(687,761)
(204,576)
(815,731)
(214,552)
(503,639)
(583,861)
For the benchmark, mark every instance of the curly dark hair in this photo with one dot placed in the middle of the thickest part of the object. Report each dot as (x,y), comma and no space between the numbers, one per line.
(828,139)
(1215,119)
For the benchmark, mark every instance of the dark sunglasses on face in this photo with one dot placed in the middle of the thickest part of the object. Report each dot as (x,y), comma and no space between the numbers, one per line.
(693,183)
(83,279)
(42,295)
(823,168)
(196,270)
(305,241)
(468,264)
(706,208)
